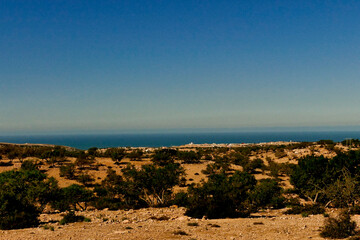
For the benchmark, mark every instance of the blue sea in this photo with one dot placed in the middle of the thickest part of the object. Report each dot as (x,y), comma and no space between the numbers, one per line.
(85,141)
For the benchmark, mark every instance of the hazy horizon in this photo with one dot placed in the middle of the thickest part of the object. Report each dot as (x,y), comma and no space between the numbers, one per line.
(184,131)
(132,66)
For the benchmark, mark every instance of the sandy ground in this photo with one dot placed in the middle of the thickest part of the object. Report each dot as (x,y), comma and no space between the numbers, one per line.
(142,224)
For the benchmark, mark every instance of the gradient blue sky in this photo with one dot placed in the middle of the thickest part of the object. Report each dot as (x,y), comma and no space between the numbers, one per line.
(140,65)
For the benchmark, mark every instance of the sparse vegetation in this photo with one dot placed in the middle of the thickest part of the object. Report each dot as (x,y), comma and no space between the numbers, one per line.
(228,189)
(71,217)
(340,227)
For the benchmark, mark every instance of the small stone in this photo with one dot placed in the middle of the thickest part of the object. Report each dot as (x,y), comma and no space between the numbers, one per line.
(182,218)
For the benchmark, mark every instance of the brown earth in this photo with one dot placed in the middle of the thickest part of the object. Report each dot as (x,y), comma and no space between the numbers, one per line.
(144,224)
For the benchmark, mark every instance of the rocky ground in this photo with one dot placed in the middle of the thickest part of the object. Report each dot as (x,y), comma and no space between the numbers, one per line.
(170,223)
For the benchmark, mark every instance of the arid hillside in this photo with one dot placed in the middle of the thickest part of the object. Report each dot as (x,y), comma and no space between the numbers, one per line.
(155,193)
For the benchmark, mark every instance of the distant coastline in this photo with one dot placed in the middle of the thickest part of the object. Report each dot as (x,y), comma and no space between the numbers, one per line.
(83,141)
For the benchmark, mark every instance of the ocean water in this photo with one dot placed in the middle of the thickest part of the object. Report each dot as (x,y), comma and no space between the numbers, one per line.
(84,141)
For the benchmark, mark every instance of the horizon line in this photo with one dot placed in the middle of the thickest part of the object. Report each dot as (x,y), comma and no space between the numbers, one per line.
(179,130)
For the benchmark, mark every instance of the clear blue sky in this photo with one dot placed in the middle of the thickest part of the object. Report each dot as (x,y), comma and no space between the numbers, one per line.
(139,65)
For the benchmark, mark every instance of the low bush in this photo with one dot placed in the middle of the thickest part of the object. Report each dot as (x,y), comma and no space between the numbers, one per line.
(307,209)
(340,227)
(180,232)
(193,224)
(135,155)
(71,217)
(181,199)
(68,171)
(85,179)
(47,227)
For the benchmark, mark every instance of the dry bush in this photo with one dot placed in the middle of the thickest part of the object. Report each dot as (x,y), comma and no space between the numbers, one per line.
(340,227)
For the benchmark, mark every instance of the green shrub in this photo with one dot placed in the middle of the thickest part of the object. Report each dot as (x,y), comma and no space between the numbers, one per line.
(116,193)
(307,209)
(16,213)
(85,179)
(71,217)
(343,192)
(83,160)
(47,227)
(164,157)
(240,159)
(135,155)
(68,171)
(193,224)
(23,194)
(73,197)
(189,157)
(181,199)
(116,154)
(340,227)
(28,165)
(220,166)
(325,142)
(180,232)
(93,151)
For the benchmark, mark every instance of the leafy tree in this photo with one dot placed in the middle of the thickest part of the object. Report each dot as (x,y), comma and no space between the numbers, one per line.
(310,176)
(313,176)
(344,192)
(83,160)
(92,152)
(116,154)
(135,155)
(75,196)
(164,156)
(251,166)
(54,155)
(154,182)
(189,156)
(221,196)
(23,194)
(240,159)
(16,213)
(115,193)
(267,193)
(13,155)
